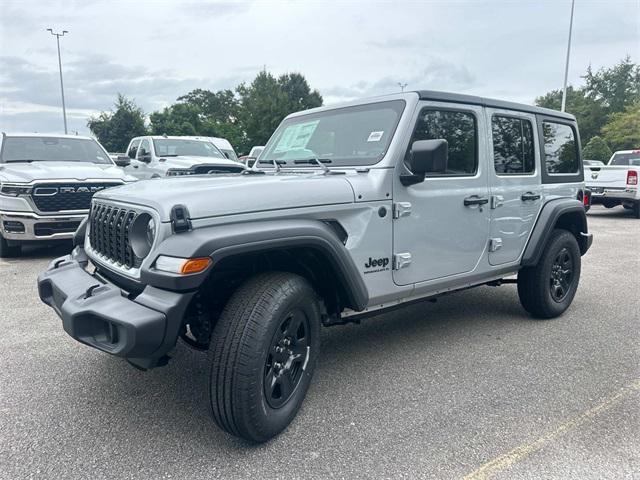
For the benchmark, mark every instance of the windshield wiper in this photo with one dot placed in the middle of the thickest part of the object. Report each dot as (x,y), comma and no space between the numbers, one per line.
(276,163)
(321,163)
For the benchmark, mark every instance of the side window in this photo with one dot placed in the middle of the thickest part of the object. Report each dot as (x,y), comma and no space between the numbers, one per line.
(560,148)
(513,150)
(133,149)
(145,148)
(460,131)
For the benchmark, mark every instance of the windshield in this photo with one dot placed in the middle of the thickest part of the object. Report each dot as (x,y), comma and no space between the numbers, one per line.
(173,147)
(357,135)
(626,159)
(52,149)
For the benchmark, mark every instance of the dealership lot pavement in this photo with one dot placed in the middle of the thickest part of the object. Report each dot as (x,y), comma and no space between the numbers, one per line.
(468,386)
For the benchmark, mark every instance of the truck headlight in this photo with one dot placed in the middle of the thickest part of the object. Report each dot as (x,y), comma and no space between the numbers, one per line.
(13,190)
(182,266)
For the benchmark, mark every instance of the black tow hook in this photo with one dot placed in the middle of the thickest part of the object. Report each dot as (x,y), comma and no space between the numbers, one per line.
(59,262)
(90,290)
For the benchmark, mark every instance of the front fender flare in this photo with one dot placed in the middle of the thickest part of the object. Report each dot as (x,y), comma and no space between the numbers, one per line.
(219,242)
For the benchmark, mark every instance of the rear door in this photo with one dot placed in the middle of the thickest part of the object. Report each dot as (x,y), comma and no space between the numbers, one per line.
(515,183)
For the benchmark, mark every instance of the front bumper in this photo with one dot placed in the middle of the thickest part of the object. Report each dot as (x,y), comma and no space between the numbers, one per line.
(27,226)
(141,328)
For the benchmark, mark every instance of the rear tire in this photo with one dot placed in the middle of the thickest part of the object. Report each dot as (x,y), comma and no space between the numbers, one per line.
(263,354)
(636,210)
(547,289)
(7,251)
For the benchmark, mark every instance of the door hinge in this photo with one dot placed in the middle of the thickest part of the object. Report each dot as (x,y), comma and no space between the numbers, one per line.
(496,201)
(401,209)
(401,260)
(495,244)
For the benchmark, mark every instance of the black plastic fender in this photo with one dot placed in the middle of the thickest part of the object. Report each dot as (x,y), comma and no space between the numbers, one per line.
(551,214)
(219,242)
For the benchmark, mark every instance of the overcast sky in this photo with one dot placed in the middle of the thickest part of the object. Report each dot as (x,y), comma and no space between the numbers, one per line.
(155,51)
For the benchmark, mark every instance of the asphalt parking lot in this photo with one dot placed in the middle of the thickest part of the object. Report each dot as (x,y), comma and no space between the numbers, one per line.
(466,387)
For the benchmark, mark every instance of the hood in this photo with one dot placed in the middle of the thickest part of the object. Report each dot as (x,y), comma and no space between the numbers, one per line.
(28,172)
(188,162)
(209,196)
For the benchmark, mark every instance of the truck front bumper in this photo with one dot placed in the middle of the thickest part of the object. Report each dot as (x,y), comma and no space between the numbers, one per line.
(28,226)
(141,328)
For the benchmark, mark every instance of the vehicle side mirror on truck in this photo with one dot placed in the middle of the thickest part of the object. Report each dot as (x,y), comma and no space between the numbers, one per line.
(123,161)
(426,156)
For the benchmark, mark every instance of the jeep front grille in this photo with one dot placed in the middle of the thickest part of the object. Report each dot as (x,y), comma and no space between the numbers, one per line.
(109,228)
(58,197)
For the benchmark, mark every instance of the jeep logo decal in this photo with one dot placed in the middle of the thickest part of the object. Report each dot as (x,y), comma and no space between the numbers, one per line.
(377,264)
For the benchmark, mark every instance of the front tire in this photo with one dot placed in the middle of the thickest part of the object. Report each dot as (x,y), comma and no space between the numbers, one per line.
(7,251)
(547,289)
(263,354)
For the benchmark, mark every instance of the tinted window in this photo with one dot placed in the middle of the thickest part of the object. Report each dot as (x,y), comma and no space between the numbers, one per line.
(459,130)
(133,149)
(513,152)
(560,148)
(626,159)
(52,149)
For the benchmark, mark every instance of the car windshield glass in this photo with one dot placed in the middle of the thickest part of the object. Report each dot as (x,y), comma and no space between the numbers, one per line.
(626,159)
(52,149)
(172,147)
(358,135)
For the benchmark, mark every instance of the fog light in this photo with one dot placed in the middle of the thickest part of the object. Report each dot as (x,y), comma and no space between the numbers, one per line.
(182,266)
(11,226)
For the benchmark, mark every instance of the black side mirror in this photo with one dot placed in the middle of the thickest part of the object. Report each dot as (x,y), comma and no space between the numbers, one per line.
(122,161)
(426,156)
(146,158)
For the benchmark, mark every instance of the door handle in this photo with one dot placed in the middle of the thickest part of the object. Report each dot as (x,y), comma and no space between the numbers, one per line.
(475,200)
(530,196)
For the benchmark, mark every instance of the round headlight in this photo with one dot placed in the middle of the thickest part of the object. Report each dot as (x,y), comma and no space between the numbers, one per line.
(142,234)
(151,232)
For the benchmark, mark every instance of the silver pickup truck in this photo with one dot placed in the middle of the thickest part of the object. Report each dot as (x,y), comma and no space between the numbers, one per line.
(351,210)
(616,183)
(46,185)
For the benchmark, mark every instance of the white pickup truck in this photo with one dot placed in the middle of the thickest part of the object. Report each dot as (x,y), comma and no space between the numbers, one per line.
(617,182)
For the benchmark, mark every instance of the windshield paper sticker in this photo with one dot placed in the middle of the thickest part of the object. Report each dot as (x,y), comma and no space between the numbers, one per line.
(375,136)
(296,137)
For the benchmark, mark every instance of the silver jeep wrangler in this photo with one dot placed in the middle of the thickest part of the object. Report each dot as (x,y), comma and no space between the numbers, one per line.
(351,210)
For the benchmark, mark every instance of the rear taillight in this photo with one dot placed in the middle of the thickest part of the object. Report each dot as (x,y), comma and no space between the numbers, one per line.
(586,199)
(632,177)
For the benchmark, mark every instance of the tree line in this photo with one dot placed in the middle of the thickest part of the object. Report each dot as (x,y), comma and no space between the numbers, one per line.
(607,108)
(246,116)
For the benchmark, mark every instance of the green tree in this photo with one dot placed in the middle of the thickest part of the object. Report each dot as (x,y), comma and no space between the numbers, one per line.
(596,149)
(622,132)
(616,87)
(590,113)
(115,128)
(267,100)
(178,119)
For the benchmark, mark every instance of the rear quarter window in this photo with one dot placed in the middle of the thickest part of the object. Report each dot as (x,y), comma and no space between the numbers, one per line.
(560,148)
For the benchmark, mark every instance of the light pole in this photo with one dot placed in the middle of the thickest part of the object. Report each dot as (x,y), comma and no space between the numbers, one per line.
(566,66)
(402,86)
(64,108)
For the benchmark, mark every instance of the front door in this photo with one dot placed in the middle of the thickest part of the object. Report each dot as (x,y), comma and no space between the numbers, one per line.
(514,183)
(447,228)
